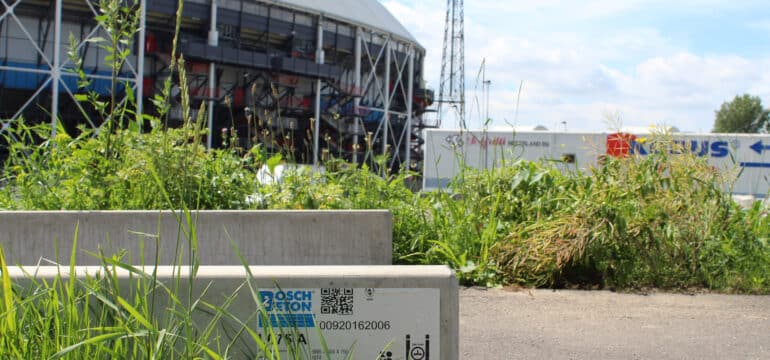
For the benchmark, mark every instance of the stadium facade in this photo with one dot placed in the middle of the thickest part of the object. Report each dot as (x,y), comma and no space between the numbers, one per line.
(269,68)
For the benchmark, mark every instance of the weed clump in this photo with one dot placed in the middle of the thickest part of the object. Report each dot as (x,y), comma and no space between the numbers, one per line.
(657,221)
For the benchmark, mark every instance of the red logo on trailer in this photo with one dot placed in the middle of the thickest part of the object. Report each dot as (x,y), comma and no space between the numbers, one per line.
(619,144)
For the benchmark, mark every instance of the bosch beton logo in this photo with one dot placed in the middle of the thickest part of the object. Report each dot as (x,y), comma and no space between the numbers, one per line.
(288,301)
(288,308)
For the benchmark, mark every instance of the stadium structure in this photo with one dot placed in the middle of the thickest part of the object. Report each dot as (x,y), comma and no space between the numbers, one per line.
(268,69)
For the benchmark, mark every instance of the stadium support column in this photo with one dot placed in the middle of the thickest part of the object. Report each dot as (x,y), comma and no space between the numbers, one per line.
(56,71)
(319,59)
(409,108)
(140,63)
(357,99)
(213,41)
(212,90)
(386,105)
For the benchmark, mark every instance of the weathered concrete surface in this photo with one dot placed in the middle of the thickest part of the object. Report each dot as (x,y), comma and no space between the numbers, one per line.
(263,237)
(220,282)
(545,324)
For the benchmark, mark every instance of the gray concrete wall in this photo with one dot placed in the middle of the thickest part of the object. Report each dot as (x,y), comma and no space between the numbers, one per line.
(263,237)
(220,282)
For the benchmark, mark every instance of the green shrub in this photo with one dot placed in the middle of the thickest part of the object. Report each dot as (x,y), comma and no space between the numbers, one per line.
(75,173)
(657,221)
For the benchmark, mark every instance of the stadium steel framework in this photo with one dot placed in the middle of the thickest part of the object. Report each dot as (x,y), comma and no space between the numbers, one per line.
(267,68)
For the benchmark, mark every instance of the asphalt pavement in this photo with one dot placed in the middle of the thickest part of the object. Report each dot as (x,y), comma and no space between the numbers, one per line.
(566,324)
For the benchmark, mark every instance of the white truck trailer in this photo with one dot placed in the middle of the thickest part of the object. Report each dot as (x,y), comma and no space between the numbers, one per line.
(446,150)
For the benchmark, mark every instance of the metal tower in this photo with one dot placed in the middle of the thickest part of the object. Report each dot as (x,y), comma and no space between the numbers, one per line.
(451,96)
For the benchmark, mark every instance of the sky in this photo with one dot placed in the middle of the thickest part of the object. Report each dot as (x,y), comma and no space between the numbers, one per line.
(599,65)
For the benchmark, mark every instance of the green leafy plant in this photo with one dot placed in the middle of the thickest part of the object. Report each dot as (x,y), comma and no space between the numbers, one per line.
(657,221)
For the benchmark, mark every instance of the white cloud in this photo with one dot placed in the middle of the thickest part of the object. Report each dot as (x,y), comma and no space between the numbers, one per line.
(576,70)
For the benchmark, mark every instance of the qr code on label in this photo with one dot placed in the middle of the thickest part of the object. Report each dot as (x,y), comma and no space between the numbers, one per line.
(337,301)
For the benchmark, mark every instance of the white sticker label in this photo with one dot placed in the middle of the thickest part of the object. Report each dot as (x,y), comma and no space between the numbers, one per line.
(363,323)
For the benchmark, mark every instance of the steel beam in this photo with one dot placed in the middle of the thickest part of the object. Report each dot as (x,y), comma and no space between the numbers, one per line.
(357,100)
(409,109)
(386,105)
(212,90)
(56,69)
(139,82)
(213,40)
(319,54)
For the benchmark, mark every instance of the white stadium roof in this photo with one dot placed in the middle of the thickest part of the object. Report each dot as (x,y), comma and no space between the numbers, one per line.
(367,13)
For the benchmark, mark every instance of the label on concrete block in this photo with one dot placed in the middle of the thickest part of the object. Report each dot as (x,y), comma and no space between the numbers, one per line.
(372,323)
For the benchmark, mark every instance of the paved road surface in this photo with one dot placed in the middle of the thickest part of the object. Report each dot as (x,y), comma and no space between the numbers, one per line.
(546,324)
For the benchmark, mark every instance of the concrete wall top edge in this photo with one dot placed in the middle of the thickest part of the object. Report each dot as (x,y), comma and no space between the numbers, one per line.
(283,237)
(337,212)
(259,272)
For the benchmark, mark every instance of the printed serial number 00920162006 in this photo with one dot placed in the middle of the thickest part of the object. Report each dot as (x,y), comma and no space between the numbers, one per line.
(354,325)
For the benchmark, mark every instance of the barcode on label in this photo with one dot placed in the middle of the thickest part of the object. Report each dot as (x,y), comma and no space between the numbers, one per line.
(337,301)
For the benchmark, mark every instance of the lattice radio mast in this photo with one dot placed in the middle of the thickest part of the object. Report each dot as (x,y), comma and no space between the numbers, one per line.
(451,95)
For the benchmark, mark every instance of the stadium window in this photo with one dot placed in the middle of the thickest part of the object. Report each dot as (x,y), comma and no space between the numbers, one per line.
(302,19)
(329,26)
(345,30)
(281,14)
(257,9)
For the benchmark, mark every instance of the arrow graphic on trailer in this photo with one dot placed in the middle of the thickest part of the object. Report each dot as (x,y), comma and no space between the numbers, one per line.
(759,147)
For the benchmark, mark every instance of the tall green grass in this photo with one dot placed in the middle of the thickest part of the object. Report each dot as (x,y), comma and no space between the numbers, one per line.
(111,164)
(120,311)
(659,221)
